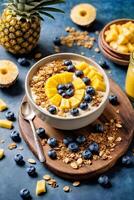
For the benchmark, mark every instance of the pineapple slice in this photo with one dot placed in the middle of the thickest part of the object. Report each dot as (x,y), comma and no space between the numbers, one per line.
(40,187)
(79,94)
(92,67)
(86,71)
(82,66)
(58,78)
(122,39)
(6,124)
(98,85)
(123,48)
(66,77)
(74,102)
(96,76)
(56,100)
(65,105)
(50,92)
(93,73)
(3,105)
(51,83)
(78,84)
(1,153)
(130,47)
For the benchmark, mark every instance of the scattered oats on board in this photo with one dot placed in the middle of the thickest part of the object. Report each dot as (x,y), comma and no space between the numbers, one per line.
(97,50)
(76,183)
(47,177)
(66,188)
(31,161)
(20,148)
(38,55)
(2,141)
(12,146)
(2,153)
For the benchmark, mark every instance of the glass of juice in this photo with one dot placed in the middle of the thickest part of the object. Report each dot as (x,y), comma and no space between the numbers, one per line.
(129,85)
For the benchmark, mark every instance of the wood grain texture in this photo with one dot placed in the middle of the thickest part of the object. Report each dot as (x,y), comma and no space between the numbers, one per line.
(126,115)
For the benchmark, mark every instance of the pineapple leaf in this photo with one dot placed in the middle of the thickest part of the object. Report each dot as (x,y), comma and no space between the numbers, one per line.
(51,9)
(47,14)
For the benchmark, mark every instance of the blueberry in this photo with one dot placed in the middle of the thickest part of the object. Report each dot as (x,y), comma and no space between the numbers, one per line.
(23,62)
(126,160)
(79,73)
(86,80)
(41,132)
(61,87)
(64,95)
(19,159)
(73,147)
(57,41)
(60,92)
(94,147)
(70,92)
(67,140)
(90,90)
(103,180)
(10,115)
(25,194)
(104,65)
(15,136)
(70,68)
(113,100)
(74,112)
(31,170)
(52,154)
(83,106)
(87,154)
(69,86)
(88,98)
(68,62)
(52,110)
(52,142)
(80,139)
(99,128)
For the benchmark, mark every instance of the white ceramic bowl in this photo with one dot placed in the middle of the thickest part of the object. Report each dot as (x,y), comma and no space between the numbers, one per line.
(71,122)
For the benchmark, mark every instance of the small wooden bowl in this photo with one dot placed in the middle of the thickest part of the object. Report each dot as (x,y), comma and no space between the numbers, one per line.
(114,59)
(118,21)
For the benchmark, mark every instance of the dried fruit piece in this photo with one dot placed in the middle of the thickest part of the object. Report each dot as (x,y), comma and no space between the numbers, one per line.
(6,124)
(1,153)
(3,105)
(76,183)
(83,14)
(47,177)
(8,73)
(12,146)
(40,187)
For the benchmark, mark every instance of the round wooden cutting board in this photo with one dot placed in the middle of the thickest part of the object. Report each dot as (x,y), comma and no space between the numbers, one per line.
(126,115)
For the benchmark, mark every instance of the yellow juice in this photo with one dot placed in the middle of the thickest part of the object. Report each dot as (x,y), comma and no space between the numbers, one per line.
(129,86)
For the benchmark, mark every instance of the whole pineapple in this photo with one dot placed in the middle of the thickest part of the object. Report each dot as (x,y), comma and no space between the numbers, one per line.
(20,23)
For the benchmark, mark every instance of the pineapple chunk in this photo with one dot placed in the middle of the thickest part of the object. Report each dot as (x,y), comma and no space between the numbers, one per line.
(93,73)
(74,102)
(65,104)
(79,94)
(66,77)
(50,92)
(40,187)
(86,71)
(56,100)
(3,105)
(113,27)
(97,77)
(130,47)
(6,124)
(114,45)
(112,36)
(122,39)
(98,85)
(58,78)
(1,153)
(51,82)
(82,66)
(78,84)
(122,48)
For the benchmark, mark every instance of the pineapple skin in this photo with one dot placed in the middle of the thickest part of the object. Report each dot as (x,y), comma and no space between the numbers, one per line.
(18,36)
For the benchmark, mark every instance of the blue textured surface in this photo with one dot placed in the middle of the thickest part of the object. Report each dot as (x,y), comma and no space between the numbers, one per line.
(12,177)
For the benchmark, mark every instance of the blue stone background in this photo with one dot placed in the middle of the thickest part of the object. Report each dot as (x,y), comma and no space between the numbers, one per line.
(12,177)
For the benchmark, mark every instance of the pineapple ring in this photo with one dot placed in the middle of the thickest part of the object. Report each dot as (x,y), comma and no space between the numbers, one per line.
(79,86)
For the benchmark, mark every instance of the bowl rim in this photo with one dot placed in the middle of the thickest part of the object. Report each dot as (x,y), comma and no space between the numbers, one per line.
(104,29)
(60,55)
